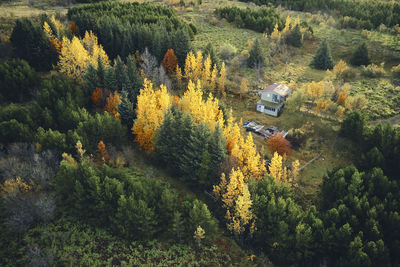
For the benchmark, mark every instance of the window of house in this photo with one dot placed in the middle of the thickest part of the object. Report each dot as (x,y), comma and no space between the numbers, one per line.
(275,98)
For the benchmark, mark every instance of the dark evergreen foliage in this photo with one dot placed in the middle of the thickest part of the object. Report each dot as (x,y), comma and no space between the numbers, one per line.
(259,20)
(18,81)
(322,59)
(193,151)
(31,43)
(257,58)
(124,28)
(294,38)
(366,14)
(360,56)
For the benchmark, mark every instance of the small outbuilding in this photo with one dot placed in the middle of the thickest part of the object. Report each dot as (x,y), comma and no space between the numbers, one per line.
(273,98)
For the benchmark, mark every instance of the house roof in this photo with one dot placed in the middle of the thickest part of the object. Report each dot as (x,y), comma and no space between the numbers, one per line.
(278,88)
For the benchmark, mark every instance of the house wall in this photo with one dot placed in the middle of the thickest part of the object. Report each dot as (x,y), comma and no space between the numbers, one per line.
(268,96)
(267,110)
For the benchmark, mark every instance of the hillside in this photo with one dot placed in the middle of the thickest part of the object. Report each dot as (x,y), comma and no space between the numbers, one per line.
(123,138)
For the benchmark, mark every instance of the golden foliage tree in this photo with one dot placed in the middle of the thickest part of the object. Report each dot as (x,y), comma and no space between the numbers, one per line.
(76,55)
(275,168)
(322,105)
(340,68)
(278,143)
(315,90)
(15,186)
(150,109)
(244,86)
(170,61)
(235,197)
(213,79)
(113,100)
(222,80)
(206,72)
(275,35)
(207,111)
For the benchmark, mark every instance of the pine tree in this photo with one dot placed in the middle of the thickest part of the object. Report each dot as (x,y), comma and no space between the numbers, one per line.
(126,110)
(295,37)
(256,59)
(360,56)
(322,59)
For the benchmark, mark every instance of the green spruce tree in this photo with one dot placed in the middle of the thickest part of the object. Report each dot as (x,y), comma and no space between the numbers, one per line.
(256,59)
(360,56)
(294,38)
(323,59)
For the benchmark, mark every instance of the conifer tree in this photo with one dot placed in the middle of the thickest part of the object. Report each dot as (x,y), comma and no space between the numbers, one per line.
(256,59)
(360,56)
(322,59)
(210,51)
(295,38)
(126,109)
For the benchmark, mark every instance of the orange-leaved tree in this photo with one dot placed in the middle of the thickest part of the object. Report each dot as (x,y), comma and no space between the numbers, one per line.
(102,155)
(278,143)
(150,110)
(170,61)
(112,103)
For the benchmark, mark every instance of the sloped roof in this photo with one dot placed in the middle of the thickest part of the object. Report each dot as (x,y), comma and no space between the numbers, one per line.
(278,88)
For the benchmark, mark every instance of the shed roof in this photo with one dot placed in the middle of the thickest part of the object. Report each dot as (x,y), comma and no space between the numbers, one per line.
(278,88)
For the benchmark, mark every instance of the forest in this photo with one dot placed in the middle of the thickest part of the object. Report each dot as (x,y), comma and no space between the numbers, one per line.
(122,138)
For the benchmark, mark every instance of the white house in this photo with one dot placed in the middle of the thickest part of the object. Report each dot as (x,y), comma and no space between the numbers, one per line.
(273,98)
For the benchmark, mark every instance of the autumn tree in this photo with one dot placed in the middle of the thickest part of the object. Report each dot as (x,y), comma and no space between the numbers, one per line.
(76,55)
(275,168)
(222,80)
(213,79)
(206,72)
(322,105)
(315,90)
(113,100)
(340,68)
(235,197)
(97,95)
(150,109)
(170,61)
(102,155)
(278,143)
(244,87)
(199,234)
(342,98)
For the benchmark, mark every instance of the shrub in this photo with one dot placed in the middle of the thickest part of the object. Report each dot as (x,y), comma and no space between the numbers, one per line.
(227,52)
(396,71)
(373,71)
